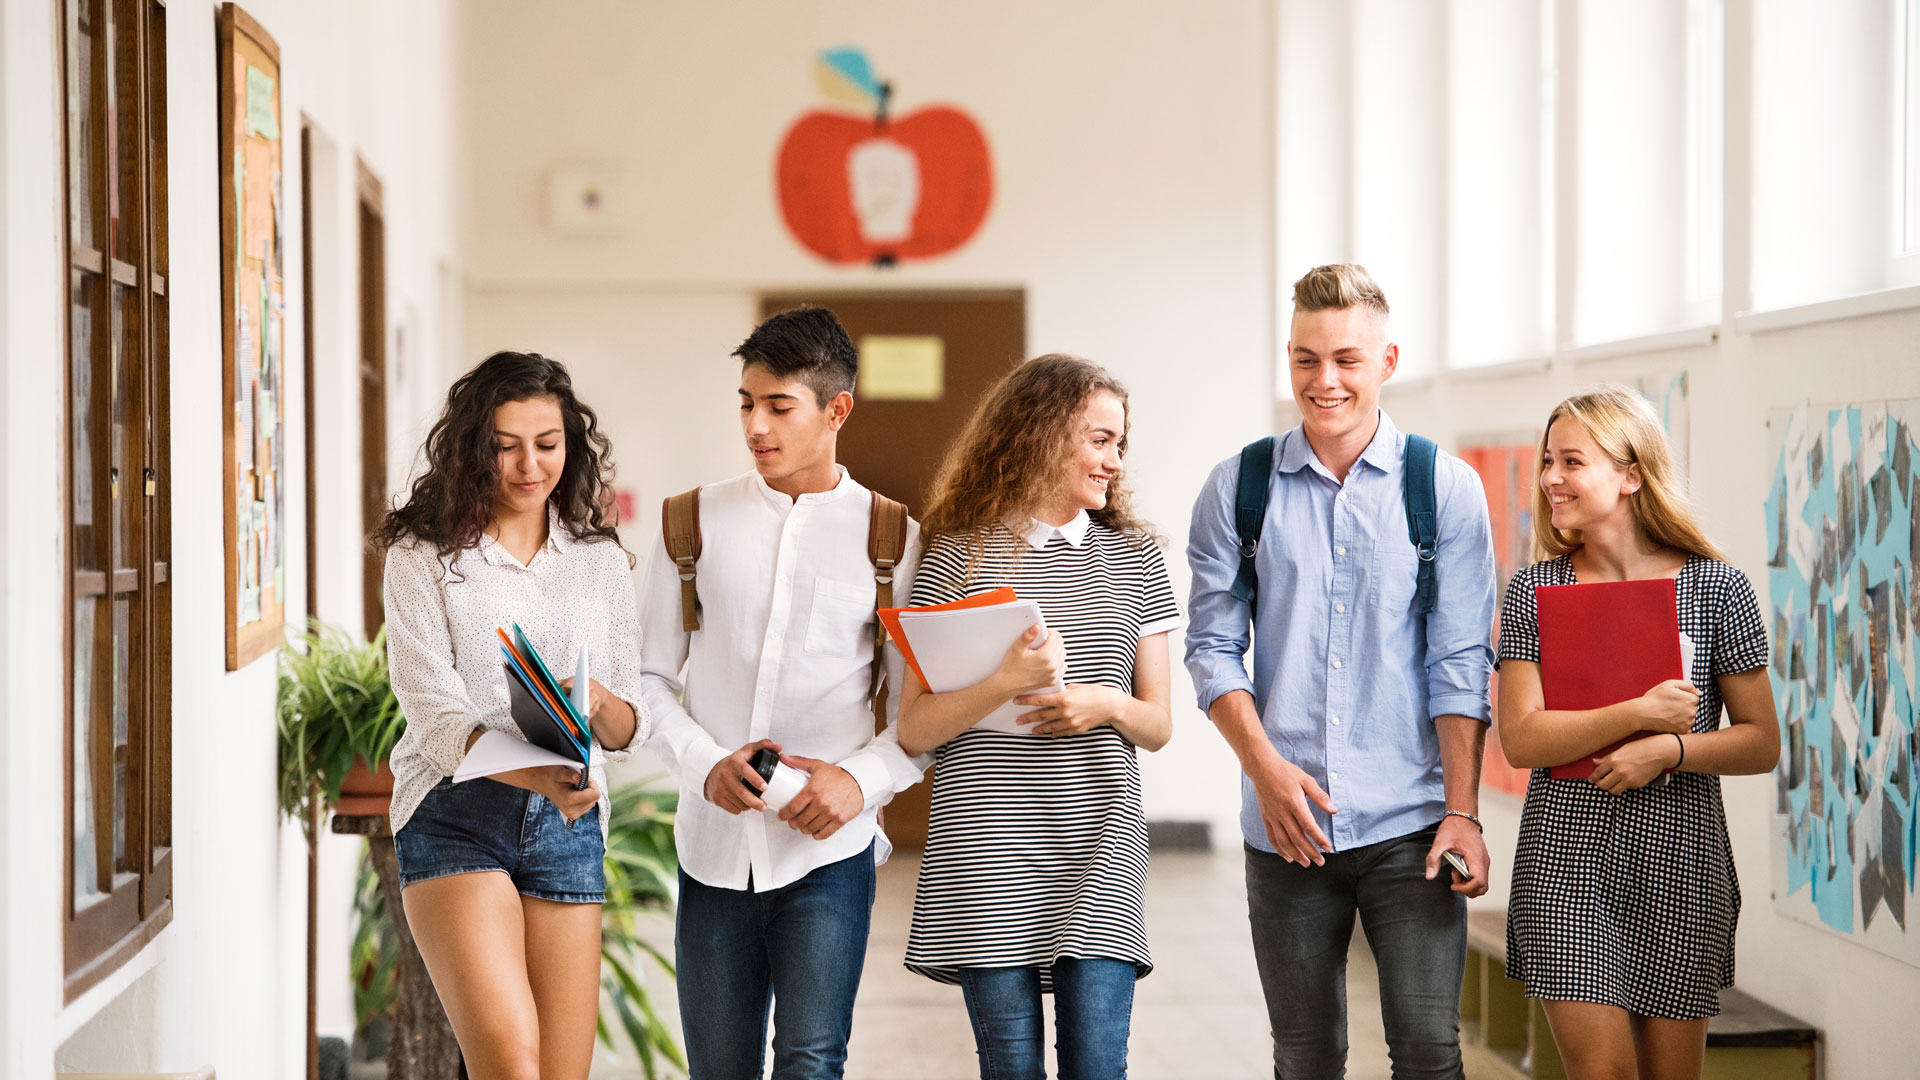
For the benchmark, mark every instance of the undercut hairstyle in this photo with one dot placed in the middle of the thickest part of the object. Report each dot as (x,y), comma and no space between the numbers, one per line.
(452,502)
(808,344)
(1338,286)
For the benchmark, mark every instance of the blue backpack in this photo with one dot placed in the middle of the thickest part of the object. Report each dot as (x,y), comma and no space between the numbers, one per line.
(1253,490)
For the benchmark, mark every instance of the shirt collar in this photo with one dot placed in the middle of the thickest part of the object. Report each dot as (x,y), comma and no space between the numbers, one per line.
(1074,531)
(843,487)
(559,540)
(1383,452)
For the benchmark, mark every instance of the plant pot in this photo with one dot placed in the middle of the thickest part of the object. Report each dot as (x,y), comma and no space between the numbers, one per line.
(366,791)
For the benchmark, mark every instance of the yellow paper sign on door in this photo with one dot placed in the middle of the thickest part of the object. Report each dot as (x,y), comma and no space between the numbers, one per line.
(902,367)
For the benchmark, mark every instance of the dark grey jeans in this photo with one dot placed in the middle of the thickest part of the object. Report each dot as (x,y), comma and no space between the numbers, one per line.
(1302,922)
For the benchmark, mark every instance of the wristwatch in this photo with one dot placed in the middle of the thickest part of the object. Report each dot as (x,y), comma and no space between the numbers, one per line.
(1464,814)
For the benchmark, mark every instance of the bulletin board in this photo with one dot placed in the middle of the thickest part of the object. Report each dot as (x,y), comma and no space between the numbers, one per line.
(253,308)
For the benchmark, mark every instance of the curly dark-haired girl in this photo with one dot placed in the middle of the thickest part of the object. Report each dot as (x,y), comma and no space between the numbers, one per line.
(508,525)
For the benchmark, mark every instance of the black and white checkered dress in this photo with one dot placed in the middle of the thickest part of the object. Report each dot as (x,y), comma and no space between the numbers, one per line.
(1631,900)
(1037,847)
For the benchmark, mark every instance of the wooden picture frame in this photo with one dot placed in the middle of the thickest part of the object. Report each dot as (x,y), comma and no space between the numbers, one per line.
(252,331)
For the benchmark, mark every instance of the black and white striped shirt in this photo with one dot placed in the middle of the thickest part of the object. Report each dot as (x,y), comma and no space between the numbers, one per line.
(1037,847)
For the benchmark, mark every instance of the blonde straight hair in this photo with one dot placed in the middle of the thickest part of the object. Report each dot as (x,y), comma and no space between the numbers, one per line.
(1627,430)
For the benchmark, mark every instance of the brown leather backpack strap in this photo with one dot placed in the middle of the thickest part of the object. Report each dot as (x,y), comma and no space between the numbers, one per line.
(886,546)
(680,528)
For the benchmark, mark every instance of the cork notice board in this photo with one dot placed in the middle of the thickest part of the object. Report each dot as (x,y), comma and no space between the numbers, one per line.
(253,308)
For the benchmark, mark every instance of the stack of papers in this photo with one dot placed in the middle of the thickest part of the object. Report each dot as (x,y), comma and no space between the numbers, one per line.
(957,645)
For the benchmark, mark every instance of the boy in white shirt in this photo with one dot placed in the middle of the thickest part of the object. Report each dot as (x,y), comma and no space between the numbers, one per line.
(777,904)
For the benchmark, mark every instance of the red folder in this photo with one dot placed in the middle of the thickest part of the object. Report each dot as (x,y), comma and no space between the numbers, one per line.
(891,618)
(1604,643)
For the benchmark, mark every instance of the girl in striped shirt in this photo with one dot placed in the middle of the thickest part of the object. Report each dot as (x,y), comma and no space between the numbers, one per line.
(1034,876)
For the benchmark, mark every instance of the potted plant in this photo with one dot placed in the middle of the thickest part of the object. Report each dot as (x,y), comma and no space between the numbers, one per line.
(338,724)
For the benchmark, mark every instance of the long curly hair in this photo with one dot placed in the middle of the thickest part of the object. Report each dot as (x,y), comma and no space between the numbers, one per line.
(1011,459)
(452,501)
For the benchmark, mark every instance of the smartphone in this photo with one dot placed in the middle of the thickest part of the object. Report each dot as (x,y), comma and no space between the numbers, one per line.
(1459,865)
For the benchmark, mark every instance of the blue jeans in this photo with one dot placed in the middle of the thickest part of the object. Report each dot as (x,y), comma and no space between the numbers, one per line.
(1302,922)
(803,945)
(1092,1007)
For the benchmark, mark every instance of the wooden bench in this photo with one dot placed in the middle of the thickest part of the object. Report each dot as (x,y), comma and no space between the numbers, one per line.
(1504,1033)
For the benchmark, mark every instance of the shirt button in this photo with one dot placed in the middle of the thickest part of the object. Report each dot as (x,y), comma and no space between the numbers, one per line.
(1336,665)
(1335,719)
(1339,551)
(1341,608)
(1333,776)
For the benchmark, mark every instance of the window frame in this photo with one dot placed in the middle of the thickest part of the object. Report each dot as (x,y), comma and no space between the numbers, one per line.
(101,934)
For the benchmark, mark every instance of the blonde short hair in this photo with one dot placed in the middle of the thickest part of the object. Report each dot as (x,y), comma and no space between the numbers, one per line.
(1338,286)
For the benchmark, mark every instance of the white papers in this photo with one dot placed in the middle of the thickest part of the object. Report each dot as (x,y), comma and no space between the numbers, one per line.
(1686,656)
(961,647)
(580,685)
(497,752)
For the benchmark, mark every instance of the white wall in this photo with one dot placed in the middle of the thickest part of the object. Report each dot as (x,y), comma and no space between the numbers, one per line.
(1132,155)
(224,984)
(1862,1001)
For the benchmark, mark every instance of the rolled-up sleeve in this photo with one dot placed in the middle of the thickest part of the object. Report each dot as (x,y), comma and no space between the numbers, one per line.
(1219,626)
(432,695)
(1459,648)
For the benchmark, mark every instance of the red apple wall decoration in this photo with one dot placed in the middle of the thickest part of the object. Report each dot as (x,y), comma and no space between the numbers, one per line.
(868,187)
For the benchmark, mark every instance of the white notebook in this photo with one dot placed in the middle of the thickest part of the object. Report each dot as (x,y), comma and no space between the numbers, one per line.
(959,648)
(497,752)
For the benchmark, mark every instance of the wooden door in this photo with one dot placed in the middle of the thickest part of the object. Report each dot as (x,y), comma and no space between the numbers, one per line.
(895,446)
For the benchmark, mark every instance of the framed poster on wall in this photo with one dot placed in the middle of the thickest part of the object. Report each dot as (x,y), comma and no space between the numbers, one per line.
(252,308)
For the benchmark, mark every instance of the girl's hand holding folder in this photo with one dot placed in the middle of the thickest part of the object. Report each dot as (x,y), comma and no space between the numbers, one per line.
(1669,708)
(1030,667)
(612,719)
(554,782)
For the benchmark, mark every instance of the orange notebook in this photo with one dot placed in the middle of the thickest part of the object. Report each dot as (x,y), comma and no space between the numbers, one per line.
(1604,643)
(891,618)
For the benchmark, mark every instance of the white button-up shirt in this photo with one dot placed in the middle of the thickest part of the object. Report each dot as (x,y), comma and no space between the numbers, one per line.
(444,658)
(784,652)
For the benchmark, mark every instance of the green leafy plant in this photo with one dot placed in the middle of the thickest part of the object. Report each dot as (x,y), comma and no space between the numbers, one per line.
(336,704)
(642,868)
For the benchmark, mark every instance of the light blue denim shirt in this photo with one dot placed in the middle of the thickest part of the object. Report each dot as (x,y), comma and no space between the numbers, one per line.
(1346,676)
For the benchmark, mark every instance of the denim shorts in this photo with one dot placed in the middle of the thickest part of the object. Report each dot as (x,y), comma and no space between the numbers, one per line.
(487,825)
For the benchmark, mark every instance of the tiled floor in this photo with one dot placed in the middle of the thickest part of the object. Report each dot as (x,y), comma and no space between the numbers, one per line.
(1199,1016)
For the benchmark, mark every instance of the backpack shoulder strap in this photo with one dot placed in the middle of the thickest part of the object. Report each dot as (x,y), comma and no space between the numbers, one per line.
(886,546)
(1250,496)
(1423,514)
(680,528)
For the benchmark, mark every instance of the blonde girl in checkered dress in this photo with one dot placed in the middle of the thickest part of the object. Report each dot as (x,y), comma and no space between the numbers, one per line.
(1624,897)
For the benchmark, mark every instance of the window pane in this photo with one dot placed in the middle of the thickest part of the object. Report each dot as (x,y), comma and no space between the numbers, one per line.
(123,475)
(1499,264)
(122,701)
(80,123)
(1630,171)
(86,879)
(123,131)
(157,132)
(84,422)
(1396,204)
